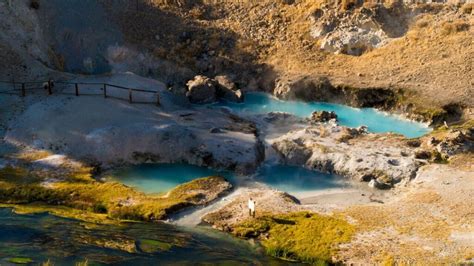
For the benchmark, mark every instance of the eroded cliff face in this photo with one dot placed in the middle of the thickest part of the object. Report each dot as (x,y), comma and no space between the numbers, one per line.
(23,48)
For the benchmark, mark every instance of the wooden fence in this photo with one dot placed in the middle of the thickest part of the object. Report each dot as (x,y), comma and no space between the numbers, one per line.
(80,88)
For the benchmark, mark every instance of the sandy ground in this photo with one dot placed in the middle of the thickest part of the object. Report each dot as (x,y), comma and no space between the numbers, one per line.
(327,201)
(430,220)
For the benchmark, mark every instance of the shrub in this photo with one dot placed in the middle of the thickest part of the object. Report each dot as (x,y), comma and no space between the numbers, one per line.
(467,8)
(99,207)
(437,157)
(34,4)
(422,23)
(454,27)
(349,4)
(47,263)
(82,263)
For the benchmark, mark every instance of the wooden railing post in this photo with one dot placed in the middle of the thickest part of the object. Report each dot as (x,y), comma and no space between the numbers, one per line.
(49,88)
(50,84)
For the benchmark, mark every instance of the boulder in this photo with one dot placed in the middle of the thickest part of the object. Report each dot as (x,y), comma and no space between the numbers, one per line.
(422,154)
(176,89)
(322,116)
(306,88)
(348,133)
(227,89)
(413,143)
(374,183)
(456,142)
(280,117)
(362,130)
(215,130)
(201,90)
(293,152)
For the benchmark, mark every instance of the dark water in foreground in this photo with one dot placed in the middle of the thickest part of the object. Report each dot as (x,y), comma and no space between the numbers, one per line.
(40,237)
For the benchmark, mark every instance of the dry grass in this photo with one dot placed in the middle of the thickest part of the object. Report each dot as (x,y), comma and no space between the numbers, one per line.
(278,35)
(464,161)
(449,28)
(304,237)
(428,197)
(32,155)
(467,8)
(419,225)
(424,21)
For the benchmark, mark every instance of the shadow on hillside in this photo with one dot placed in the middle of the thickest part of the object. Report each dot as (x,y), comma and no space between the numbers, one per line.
(177,31)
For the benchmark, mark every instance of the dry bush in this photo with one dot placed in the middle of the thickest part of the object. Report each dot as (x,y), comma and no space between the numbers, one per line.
(467,8)
(432,8)
(423,22)
(346,5)
(370,4)
(34,4)
(448,28)
(350,4)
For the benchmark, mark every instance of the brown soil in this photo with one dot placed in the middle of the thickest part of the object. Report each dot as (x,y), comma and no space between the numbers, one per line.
(430,221)
(433,61)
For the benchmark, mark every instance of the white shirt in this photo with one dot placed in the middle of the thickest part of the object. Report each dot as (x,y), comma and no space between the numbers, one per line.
(251,205)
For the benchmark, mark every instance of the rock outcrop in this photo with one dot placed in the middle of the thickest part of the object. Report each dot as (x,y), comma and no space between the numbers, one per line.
(309,88)
(201,90)
(317,88)
(349,152)
(322,116)
(357,30)
(227,89)
(457,142)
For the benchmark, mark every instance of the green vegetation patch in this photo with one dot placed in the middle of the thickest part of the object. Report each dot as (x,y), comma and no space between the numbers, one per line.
(20,260)
(299,236)
(152,246)
(76,189)
(15,174)
(464,125)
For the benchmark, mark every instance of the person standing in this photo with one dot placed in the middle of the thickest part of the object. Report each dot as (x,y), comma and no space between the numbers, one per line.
(251,205)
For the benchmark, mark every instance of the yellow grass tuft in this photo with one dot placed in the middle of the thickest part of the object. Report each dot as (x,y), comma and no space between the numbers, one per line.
(303,236)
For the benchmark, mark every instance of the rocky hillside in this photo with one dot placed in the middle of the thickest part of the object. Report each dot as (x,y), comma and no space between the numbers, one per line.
(420,52)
